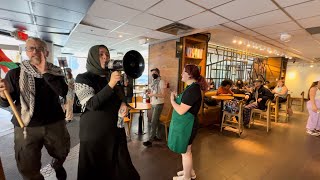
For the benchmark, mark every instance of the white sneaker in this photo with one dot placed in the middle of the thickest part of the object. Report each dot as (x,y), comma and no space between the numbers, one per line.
(180,178)
(313,133)
(193,174)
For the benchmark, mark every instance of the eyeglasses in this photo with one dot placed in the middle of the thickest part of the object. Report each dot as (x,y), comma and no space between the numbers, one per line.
(31,49)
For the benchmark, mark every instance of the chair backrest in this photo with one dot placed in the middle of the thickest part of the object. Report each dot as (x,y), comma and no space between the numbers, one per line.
(202,104)
(289,102)
(168,116)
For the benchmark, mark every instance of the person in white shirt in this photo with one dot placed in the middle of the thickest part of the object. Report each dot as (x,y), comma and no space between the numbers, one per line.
(156,94)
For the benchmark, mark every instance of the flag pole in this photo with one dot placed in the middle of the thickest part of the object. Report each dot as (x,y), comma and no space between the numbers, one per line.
(14,109)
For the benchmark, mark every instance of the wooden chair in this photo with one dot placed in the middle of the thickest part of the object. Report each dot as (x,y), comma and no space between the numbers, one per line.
(201,110)
(165,120)
(275,108)
(300,99)
(228,122)
(266,113)
(134,111)
(128,122)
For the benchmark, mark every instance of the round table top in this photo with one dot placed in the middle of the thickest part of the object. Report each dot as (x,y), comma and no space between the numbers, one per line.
(222,97)
(239,95)
(210,93)
(140,106)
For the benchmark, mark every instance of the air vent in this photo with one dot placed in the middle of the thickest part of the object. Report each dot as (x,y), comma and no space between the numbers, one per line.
(317,59)
(175,28)
(314,30)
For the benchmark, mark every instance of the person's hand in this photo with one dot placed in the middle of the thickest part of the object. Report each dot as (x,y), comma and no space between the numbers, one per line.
(42,66)
(115,77)
(173,96)
(259,99)
(246,97)
(123,110)
(150,94)
(314,109)
(3,86)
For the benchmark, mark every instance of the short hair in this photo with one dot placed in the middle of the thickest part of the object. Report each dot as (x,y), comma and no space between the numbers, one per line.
(226,82)
(42,42)
(155,69)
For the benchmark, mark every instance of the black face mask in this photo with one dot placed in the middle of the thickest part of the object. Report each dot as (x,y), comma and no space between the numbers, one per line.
(155,76)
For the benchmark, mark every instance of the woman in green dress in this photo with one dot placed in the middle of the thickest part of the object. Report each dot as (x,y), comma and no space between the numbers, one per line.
(184,121)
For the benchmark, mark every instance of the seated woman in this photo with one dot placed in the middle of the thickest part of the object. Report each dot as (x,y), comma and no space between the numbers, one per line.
(280,91)
(225,88)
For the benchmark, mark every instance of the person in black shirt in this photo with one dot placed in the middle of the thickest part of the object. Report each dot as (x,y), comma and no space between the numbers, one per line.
(103,145)
(35,88)
(184,121)
(257,100)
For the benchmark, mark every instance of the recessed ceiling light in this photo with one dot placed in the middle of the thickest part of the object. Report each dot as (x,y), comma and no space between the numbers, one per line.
(120,36)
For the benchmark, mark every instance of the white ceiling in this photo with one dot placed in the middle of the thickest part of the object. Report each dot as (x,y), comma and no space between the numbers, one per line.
(126,24)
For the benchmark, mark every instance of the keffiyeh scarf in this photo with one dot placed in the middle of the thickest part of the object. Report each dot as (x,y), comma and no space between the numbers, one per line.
(28,88)
(155,85)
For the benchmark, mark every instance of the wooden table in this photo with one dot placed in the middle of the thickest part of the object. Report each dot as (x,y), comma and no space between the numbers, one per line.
(222,98)
(140,106)
(210,93)
(239,95)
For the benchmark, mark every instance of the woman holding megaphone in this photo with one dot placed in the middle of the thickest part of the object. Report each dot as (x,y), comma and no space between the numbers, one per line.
(103,145)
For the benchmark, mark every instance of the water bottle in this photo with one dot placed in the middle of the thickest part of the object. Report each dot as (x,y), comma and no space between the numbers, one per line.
(120,123)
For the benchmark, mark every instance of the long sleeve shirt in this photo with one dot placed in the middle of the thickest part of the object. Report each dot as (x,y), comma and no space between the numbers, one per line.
(47,103)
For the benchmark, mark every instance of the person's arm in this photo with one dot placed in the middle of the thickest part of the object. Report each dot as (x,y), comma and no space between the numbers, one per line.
(88,97)
(219,91)
(180,109)
(312,94)
(230,92)
(9,84)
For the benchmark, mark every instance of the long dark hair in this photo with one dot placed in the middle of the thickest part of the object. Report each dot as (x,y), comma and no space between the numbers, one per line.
(194,72)
(312,85)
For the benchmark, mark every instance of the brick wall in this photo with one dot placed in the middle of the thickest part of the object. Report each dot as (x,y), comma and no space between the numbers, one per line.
(163,56)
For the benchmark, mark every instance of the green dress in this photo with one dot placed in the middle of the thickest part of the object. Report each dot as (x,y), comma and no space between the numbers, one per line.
(180,128)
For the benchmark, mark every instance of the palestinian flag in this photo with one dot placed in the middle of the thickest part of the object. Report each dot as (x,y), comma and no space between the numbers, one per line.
(6,63)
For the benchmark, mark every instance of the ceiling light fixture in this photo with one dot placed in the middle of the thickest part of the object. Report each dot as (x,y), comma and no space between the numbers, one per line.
(285,37)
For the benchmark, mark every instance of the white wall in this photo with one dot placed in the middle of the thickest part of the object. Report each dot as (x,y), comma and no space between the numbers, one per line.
(299,77)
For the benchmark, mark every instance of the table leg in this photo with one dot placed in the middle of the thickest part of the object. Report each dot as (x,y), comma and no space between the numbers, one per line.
(221,112)
(140,132)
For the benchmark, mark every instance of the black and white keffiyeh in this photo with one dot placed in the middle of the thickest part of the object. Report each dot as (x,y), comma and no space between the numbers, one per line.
(28,89)
(84,93)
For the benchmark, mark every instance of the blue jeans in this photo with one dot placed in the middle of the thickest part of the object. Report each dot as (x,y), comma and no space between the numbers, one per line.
(156,112)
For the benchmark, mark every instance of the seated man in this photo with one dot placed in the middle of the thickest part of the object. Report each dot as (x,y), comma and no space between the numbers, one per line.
(239,87)
(281,91)
(260,95)
(225,88)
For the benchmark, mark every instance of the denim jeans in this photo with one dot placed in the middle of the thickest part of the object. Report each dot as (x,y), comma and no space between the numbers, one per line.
(156,112)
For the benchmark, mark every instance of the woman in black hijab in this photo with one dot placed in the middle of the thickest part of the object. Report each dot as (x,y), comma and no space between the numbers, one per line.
(103,146)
